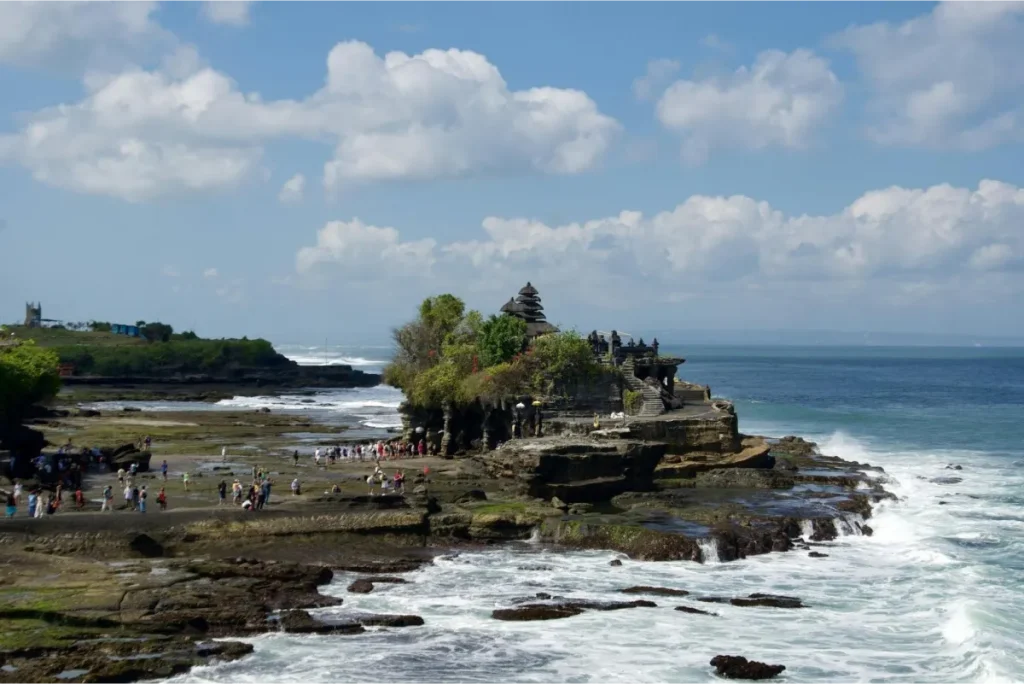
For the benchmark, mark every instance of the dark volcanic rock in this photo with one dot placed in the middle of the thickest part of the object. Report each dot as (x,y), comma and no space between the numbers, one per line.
(389,620)
(535,611)
(361,586)
(611,605)
(769,600)
(146,546)
(472,495)
(615,563)
(817,554)
(657,591)
(301,622)
(694,611)
(738,667)
(946,480)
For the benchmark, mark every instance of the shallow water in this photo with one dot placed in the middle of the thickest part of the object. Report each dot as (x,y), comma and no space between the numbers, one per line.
(933,596)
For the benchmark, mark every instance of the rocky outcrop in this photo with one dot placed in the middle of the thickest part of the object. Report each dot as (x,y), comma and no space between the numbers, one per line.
(738,667)
(751,457)
(713,431)
(656,591)
(694,611)
(564,609)
(638,543)
(576,471)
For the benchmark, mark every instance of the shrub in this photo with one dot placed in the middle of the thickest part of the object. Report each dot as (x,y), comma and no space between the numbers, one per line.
(28,374)
(632,401)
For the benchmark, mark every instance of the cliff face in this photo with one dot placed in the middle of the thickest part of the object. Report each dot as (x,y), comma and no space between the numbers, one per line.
(714,432)
(576,472)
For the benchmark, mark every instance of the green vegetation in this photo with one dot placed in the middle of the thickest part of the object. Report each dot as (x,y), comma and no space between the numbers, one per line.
(450,356)
(183,356)
(28,375)
(632,401)
(160,352)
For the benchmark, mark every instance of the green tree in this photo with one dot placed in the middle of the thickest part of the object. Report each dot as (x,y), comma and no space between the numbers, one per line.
(562,359)
(157,332)
(28,375)
(501,338)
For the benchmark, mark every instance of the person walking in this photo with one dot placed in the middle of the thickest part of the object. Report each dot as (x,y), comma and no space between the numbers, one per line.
(142,499)
(12,505)
(184,479)
(295,457)
(163,469)
(222,493)
(108,499)
(33,501)
(223,454)
(161,499)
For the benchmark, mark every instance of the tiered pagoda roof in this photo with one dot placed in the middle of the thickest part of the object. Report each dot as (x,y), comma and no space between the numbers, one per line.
(527,307)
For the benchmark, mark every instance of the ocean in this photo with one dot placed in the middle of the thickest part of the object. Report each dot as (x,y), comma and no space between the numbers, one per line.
(935,595)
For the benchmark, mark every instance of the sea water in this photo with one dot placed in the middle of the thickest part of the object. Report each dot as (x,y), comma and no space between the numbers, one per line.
(935,595)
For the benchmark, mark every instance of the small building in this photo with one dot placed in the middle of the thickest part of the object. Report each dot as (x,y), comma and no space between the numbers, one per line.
(33,315)
(129,330)
(528,308)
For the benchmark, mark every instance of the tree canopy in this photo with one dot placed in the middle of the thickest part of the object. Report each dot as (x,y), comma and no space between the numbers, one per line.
(28,375)
(448,355)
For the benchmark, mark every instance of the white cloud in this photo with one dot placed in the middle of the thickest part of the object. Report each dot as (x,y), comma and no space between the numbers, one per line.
(293,189)
(170,271)
(140,134)
(230,12)
(948,78)
(907,236)
(210,273)
(78,35)
(360,248)
(659,73)
(779,101)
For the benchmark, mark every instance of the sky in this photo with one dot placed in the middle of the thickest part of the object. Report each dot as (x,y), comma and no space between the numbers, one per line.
(309,172)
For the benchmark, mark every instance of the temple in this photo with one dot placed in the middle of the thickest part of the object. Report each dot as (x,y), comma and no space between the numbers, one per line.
(528,308)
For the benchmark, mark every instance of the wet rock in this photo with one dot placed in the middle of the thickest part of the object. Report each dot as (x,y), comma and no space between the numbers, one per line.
(263,409)
(615,563)
(954,467)
(694,611)
(738,667)
(580,509)
(224,650)
(559,504)
(301,622)
(611,605)
(768,600)
(535,611)
(146,546)
(361,586)
(817,554)
(472,495)
(534,568)
(655,591)
(389,620)
(383,566)
(946,480)
(713,599)
(866,530)
(543,595)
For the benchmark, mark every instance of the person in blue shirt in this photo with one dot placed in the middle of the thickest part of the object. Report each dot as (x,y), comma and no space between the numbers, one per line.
(163,469)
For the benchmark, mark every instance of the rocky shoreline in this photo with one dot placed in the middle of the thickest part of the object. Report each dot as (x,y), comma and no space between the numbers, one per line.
(95,597)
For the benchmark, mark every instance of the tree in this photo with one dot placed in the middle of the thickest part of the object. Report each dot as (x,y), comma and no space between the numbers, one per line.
(157,332)
(28,375)
(501,338)
(563,358)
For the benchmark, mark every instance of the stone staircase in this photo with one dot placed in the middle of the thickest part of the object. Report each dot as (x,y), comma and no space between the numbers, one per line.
(652,403)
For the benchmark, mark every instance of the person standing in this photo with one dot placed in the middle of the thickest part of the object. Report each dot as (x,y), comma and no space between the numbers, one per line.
(120,477)
(108,499)
(12,505)
(17,492)
(161,499)
(163,469)
(142,499)
(296,487)
(295,457)
(128,497)
(222,493)
(33,501)
(184,479)
(223,454)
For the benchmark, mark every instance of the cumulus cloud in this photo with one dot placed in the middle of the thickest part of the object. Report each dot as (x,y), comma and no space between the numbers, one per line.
(911,236)
(948,78)
(185,127)
(779,101)
(78,35)
(230,12)
(293,189)
(659,73)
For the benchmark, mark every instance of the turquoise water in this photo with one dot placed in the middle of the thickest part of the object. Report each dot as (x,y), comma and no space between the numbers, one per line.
(935,595)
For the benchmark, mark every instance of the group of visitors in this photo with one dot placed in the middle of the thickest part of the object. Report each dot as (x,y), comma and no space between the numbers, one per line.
(376,451)
(253,498)
(135,497)
(395,484)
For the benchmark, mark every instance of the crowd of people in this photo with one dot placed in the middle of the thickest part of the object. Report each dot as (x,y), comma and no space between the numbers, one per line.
(373,451)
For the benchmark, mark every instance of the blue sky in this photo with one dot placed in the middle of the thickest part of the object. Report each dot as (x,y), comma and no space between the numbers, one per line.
(662,166)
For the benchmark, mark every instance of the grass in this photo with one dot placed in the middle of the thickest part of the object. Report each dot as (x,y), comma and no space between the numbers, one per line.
(56,337)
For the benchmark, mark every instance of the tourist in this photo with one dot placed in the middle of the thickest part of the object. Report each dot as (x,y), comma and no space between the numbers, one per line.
(108,499)
(149,442)
(399,482)
(60,492)
(222,493)
(316,457)
(335,489)
(184,479)
(33,501)
(142,499)
(133,469)
(40,506)
(370,481)
(296,487)
(163,469)
(261,497)
(128,497)
(247,505)
(236,492)
(266,490)
(17,492)
(52,504)
(422,448)
(79,499)
(161,499)
(120,477)
(223,454)
(12,505)
(295,457)
(135,498)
